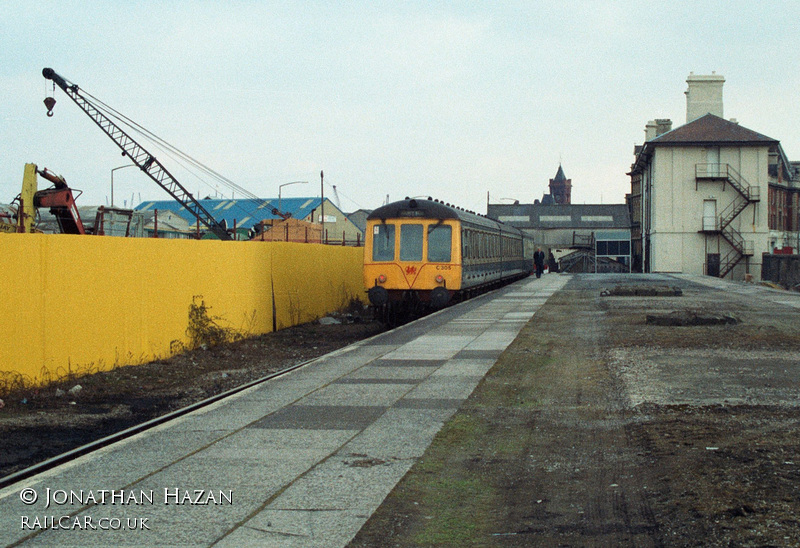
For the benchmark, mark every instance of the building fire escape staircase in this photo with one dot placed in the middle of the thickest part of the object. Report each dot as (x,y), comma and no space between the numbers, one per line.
(746,194)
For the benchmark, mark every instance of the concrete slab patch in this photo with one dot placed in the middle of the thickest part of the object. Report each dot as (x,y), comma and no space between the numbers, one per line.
(200,527)
(432,346)
(342,483)
(708,377)
(445,387)
(473,321)
(407,363)
(223,479)
(236,414)
(344,394)
(465,368)
(271,444)
(284,390)
(295,529)
(495,339)
(428,403)
(386,373)
(322,417)
(473,354)
(112,467)
(401,433)
(349,380)
(518,315)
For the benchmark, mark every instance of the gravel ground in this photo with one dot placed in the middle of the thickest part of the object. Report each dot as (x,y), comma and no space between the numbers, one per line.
(597,428)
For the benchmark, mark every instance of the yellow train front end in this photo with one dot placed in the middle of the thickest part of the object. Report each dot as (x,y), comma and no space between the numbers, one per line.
(412,253)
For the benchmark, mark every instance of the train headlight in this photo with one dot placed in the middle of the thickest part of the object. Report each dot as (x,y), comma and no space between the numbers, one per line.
(382,279)
(439,279)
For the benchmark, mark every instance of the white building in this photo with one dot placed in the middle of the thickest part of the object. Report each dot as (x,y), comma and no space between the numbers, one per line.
(711,196)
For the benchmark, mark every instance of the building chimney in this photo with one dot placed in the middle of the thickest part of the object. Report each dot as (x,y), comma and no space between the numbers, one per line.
(663,125)
(650,130)
(704,95)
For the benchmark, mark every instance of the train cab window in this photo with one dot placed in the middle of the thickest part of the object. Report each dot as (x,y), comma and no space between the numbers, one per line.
(383,243)
(439,243)
(411,242)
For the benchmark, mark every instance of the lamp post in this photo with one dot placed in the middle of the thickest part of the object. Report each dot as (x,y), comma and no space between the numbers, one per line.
(280,187)
(112,180)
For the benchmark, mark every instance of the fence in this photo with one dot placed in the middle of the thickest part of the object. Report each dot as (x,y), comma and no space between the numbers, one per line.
(77,303)
(781,269)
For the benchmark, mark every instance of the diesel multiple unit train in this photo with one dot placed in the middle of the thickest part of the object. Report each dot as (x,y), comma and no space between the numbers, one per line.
(424,254)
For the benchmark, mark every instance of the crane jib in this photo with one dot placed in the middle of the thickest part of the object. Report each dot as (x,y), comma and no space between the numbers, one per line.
(140,156)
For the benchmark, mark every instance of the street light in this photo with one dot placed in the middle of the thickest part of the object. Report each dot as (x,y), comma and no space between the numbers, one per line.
(280,187)
(112,180)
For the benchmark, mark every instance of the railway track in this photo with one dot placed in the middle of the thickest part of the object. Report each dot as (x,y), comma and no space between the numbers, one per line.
(73,454)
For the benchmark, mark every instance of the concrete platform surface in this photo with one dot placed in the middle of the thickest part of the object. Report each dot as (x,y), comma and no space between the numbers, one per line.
(303,460)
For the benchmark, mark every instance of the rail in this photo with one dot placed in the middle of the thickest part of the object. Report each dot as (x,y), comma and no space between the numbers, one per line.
(113,438)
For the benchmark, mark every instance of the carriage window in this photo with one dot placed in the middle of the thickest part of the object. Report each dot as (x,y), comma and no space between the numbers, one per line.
(410,242)
(383,243)
(439,242)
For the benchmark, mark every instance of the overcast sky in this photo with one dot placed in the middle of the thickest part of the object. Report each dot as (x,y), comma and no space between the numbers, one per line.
(448,99)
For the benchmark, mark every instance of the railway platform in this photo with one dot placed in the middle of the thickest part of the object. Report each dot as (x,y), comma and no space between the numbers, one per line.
(301,460)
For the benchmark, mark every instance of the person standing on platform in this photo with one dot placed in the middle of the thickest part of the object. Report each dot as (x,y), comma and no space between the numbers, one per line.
(538,260)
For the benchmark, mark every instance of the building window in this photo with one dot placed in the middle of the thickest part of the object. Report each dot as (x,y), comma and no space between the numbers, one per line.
(613,248)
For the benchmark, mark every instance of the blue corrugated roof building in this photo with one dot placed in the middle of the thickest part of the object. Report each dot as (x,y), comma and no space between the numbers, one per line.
(245,213)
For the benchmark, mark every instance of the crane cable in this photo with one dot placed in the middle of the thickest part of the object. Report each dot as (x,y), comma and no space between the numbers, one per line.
(178,155)
(172,151)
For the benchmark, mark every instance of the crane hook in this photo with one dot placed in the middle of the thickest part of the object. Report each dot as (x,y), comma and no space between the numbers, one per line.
(50,102)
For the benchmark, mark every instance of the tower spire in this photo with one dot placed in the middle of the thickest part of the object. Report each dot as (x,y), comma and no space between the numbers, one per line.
(561,187)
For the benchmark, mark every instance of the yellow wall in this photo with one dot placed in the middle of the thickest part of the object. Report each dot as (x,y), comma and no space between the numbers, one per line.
(87,303)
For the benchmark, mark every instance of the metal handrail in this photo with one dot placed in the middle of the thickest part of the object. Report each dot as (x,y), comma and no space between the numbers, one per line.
(733,177)
(731,212)
(734,238)
(711,223)
(707,171)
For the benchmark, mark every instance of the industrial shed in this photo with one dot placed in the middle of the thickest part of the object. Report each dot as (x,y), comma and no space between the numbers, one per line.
(245,214)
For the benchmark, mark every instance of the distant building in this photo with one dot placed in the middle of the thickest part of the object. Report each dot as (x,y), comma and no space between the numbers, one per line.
(359,218)
(560,190)
(245,214)
(604,230)
(101,220)
(711,196)
(164,223)
(594,233)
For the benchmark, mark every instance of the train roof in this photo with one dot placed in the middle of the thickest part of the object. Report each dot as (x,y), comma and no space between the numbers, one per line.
(433,209)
